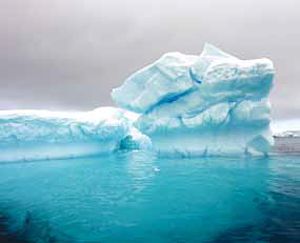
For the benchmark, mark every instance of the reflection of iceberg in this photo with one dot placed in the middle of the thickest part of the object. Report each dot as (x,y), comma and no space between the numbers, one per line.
(35,135)
(212,104)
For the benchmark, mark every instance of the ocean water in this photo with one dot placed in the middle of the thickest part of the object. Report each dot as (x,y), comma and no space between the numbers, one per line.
(136,197)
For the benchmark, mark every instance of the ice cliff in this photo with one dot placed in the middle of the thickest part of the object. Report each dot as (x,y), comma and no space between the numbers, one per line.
(211,104)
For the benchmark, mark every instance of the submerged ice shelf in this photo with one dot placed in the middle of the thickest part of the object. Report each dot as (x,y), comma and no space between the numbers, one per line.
(186,105)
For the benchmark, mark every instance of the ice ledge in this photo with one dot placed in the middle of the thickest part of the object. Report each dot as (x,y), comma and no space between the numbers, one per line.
(27,135)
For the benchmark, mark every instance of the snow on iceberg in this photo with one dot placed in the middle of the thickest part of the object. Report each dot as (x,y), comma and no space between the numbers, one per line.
(37,135)
(212,104)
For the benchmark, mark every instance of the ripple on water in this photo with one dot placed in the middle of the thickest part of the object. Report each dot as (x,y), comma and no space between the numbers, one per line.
(136,197)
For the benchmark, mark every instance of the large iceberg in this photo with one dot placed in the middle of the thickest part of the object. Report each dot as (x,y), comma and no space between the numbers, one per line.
(186,105)
(211,104)
(37,135)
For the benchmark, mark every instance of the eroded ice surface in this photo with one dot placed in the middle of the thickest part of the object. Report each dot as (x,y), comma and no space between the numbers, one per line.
(212,104)
(36,134)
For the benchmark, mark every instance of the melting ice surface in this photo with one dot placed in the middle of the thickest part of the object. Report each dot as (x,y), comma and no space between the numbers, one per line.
(135,197)
(212,104)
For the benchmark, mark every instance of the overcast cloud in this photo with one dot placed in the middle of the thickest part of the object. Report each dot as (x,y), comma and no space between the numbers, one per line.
(69,54)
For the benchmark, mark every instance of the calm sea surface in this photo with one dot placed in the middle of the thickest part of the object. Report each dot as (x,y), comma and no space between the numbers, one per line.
(136,197)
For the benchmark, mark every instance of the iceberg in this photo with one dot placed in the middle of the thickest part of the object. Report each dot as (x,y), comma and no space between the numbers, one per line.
(180,105)
(27,135)
(211,104)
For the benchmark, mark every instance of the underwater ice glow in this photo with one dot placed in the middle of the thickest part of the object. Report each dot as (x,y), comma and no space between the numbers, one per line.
(186,105)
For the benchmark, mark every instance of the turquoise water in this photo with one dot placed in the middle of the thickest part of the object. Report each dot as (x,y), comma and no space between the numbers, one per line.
(136,197)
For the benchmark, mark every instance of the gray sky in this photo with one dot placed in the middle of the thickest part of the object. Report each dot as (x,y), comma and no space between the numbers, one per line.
(69,54)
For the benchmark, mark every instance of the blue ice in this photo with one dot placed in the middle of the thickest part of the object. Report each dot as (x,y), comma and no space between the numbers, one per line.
(180,105)
(211,104)
(27,135)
